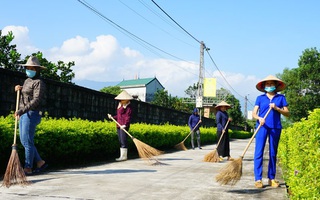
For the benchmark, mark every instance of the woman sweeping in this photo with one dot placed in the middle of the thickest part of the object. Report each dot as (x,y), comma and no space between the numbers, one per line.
(222,118)
(123,117)
(29,113)
(270,127)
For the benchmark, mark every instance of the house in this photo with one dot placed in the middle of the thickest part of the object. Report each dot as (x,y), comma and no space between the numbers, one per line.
(141,88)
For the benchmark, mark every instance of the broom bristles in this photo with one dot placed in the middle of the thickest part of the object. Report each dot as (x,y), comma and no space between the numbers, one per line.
(181,146)
(212,156)
(146,151)
(231,174)
(14,173)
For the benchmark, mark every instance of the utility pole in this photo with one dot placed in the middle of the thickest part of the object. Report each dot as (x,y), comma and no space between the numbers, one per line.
(200,82)
(245,107)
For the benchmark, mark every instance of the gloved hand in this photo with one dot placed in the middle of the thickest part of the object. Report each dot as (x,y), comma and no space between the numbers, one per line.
(123,126)
(109,116)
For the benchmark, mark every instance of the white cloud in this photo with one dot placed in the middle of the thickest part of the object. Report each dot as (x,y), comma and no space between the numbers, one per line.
(105,60)
(21,39)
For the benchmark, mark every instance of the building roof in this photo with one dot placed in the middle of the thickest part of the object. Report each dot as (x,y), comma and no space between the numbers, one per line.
(137,82)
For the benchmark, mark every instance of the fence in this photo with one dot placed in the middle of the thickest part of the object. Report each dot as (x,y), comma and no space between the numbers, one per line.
(72,101)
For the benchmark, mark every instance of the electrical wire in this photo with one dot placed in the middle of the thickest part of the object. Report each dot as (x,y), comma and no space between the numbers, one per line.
(131,35)
(175,22)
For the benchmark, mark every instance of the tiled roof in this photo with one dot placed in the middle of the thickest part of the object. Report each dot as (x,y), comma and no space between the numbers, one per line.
(142,81)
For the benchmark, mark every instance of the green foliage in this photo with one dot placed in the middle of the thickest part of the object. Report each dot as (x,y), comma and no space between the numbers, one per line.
(10,59)
(73,142)
(235,111)
(59,72)
(115,90)
(303,85)
(299,152)
(8,53)
(164,99)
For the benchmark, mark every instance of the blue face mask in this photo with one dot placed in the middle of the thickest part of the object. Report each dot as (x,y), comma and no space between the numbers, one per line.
(270,89)
(30,73)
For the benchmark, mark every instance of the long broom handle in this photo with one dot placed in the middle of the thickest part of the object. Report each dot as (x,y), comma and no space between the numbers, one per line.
(191,131)
(224,130)
(254,134)
(16,118)
(121,128)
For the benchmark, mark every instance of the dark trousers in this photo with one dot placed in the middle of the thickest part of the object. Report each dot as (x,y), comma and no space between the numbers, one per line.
(224,145)
(122,136)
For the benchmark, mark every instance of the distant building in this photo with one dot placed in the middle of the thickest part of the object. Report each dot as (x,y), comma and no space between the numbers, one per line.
(142,89)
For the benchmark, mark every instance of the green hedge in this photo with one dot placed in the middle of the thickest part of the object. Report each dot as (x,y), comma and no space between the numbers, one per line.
(299,157)
(73,142)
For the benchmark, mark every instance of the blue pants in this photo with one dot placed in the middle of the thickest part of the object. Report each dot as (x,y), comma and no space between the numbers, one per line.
(261,137)
(27,129)
(122,136)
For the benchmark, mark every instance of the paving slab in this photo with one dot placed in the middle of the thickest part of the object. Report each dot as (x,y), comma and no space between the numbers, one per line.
(181,175)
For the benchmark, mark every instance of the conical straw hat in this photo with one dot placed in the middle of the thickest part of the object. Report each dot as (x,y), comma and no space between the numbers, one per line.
(279,86)
(223,103)
(124,95)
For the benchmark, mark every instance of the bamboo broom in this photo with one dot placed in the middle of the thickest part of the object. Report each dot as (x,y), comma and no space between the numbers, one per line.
(232,173)
(213,156)
(14,173)
(181,145)
(145,151)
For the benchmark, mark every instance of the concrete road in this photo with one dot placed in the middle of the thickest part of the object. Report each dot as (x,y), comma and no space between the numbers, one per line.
(181,175)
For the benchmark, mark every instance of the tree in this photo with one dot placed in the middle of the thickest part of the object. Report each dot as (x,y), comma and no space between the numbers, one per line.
(115,90)
(192,91)
(235,111)
(303,85)
(59,72)
(9,56)
(161,98)
(10,59)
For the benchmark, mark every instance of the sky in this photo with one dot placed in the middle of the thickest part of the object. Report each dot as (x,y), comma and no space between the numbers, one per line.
(117,40)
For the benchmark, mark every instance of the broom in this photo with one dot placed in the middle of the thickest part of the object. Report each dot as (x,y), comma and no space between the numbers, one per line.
(181,145)
(232,173)
(145,151)
(213,156)
(14,173)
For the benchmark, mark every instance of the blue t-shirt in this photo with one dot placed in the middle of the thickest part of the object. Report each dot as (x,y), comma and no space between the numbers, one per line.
(273,120)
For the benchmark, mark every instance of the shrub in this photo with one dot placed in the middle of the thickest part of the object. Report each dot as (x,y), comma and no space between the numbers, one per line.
(299,153)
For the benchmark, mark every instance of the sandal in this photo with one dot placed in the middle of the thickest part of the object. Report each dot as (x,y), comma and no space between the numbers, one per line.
(40,169)
(258,184)
(220,158)
(274,183)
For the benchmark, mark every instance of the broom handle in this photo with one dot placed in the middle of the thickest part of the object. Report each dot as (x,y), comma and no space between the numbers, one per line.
(224,130)
(191,131)
(16,118)
(254,134)
(121,128)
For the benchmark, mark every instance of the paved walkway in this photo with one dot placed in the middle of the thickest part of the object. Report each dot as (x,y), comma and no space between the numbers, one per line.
(183,175)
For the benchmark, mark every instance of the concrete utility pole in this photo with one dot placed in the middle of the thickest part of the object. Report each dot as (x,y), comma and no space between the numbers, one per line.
(245,107)
(200,82)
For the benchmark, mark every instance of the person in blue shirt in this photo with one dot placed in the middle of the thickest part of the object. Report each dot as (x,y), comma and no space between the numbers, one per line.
(193,123)
(270,126)
(222,119)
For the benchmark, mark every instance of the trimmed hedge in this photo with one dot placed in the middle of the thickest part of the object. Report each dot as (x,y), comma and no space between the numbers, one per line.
(73,142)
(299,157)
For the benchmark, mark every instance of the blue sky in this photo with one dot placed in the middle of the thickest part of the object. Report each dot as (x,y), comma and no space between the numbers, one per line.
(248,39)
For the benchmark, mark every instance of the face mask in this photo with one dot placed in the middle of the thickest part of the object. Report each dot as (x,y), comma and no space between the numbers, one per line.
(270,89)
(30,73)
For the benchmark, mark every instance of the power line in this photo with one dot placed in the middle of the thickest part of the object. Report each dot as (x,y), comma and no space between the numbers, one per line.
(175,22)
(131,35)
